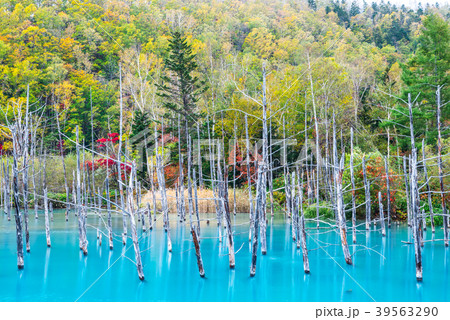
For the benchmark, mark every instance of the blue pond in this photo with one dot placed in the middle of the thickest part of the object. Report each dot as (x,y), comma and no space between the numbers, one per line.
(384,272)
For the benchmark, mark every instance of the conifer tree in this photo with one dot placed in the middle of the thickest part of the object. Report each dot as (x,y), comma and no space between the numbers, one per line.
(180,88)
(312,4)
(354,9)
(427,69)
(141,122)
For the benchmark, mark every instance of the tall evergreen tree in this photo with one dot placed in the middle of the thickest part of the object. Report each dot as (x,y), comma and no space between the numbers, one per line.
(427,69)
(141,122)
(312,4)
(354,9)
(180,88)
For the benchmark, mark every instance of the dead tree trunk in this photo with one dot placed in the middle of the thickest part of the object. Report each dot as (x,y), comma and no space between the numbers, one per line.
(119,163)
(249,180)
(46,208)
(81,215)
(200,169)
(352,177)
(196,203)
(303,231)
(430,204)
(415,196)
(234,168)
(388,191)
(440,166)
(265,167)
(380,204)
(17,215)
(338,172)
(408,205)
(223,195)
(316,129)
(162,187)
(198,252)
(61,152)
(7,203)
(256,217)
(25,152)
(191,209)
(137,251)
(367,193)
(47,223)
(108,209)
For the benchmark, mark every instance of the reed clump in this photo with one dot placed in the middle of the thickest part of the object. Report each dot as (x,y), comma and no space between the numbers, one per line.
(206,203)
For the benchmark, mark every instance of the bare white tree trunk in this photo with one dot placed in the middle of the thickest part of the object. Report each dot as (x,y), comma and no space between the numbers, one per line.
(108,210)
(249,180)
(7,203)
(380,204)
(352,177)
(17,215)
(415,196)
(338,172)
(388,191)
(303,231)
(367,193)
(80,209)
(256,217)
(440,166)
(162,187)
(408,205)
(430,204)
(137,251)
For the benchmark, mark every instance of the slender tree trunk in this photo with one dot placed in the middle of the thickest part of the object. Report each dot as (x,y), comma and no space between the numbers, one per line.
(200,169)
(162,187)
(265,167)
(137,251)
(255,221)
(61,152)
(196,204)
(430,204)
(388,191)
(119,158)
(367,193)
(338,172)
(198,252)
(223,194)
(316,128)
(108,209)
(303,231)
(17,215)
(81,215)
(380,204)
(7,206)
(352,177)
(440,166)
(408,205)
(249,180)
(415,196)
(234,168)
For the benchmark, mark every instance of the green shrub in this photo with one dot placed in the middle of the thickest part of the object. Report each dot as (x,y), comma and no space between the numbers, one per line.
(325,213)
(58,199)
(438,221)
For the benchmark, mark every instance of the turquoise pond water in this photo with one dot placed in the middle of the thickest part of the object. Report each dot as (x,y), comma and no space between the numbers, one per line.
(62,273)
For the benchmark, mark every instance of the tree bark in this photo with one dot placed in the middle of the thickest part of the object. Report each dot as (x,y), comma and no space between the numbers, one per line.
(430,204)
(380,204)
(440,166)
(367,193)
(352,177)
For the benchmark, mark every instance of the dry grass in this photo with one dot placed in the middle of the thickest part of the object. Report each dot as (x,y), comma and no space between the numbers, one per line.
(205,200)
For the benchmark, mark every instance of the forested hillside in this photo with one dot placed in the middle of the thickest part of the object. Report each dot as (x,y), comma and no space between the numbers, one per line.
(345,56)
